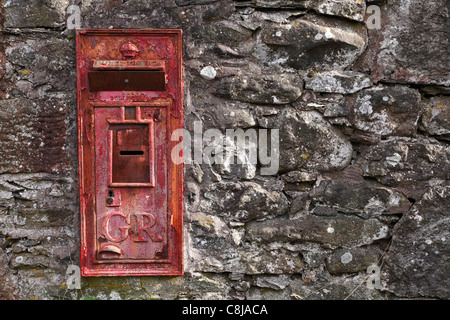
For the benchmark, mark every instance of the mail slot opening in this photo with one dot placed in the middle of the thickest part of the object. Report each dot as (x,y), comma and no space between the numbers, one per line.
(112,80)
(131,153)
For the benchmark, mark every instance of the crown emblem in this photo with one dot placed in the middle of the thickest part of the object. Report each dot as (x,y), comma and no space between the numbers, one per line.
(129,50)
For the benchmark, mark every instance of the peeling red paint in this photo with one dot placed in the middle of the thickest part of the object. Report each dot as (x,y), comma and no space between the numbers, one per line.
(130,190)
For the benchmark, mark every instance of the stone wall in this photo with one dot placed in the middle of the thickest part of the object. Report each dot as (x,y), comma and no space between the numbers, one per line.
(364,166)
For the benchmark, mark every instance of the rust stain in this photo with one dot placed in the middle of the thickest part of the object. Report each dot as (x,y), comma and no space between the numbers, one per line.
(131,192)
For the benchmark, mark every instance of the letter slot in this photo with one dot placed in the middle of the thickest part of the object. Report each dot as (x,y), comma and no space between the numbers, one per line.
(126,80)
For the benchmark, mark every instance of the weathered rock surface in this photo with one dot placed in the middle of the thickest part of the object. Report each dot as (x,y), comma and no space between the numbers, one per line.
(435,120)
(239,160)
(299,176)
(23,213)
(218,248)
(355,195)
(352,260)
(40,66)
(409,165)
(272,282)
(223,115)
(352,9)
(265,89)
(312,43)
(320,286)
(8,290)
(345,82)
(412,44)
(385,111)
(279,4)
(338,230)
(193,2)
(39,14)
(243,201)
(309,142)
(248,260)
(418,260)
(33,136)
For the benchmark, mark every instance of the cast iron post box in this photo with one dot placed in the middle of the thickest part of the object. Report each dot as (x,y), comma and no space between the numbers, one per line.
(129,91)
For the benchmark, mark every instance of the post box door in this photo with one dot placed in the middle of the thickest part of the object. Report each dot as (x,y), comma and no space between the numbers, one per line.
(131,196)
(129,101)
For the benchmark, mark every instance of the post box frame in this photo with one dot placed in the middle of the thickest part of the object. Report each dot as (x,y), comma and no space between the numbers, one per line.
(87,101)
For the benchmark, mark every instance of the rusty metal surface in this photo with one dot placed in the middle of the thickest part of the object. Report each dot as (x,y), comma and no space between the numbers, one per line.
(126,80)
(130,190)
(129,65)
(131,150)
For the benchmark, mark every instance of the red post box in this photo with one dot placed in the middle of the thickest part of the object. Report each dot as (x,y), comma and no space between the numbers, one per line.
(129,91)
